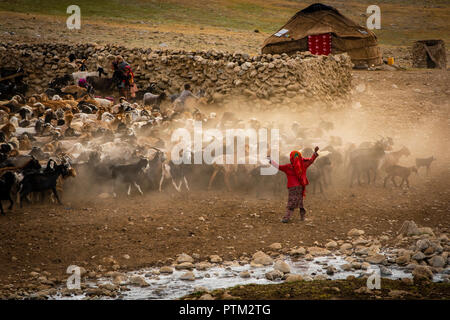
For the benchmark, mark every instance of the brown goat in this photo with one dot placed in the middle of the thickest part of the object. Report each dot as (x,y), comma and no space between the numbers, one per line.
(425,162)
(399,171)
(68,117)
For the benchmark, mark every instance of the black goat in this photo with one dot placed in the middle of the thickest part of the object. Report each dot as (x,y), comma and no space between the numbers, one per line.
(129,174)
(6,183)
(177,173)
(39,182)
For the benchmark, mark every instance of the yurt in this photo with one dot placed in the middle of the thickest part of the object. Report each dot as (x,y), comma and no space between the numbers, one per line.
(322,29)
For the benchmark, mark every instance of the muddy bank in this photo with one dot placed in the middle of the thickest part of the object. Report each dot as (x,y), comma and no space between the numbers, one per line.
(331,290)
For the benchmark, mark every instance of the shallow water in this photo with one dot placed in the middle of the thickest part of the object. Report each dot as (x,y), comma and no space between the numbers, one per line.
(171,287)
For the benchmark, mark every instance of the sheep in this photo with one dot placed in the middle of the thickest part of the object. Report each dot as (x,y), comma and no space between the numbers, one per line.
(399,171)
(84,74)
(153,99)
(425,162)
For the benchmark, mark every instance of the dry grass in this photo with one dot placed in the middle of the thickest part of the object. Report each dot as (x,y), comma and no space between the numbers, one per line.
(402,21)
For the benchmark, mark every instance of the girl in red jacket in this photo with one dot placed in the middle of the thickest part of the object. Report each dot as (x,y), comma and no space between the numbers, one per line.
(296,181)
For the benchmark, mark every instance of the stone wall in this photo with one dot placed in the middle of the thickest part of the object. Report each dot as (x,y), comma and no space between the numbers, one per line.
(274,78)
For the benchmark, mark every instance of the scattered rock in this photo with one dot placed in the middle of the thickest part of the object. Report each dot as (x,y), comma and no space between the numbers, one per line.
(184,258)
(275,246)
(421,273)
(409,228)
(184,266)
(166,269)
(202,266)
(355,233)
(293,278)
(346,267)
(375,259)
(274,275)
(423,244)
(138,281)
(385,271)
(437,262)
(418,256)
(297,252)
(215,259)
(262,258)
(206,296)
(188,276)
(317,251)
(282,266)
(331,245)
(331,270)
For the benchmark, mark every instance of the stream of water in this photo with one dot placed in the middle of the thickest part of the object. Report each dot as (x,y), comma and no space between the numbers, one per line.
(170,286)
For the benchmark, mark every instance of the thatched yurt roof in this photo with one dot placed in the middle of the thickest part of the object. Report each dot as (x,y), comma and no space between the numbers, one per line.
(347,36)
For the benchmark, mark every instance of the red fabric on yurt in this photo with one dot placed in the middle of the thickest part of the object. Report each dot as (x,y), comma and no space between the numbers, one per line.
(320,44)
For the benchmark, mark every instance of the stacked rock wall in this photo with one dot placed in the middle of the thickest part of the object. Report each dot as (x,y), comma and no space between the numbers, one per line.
(274,78)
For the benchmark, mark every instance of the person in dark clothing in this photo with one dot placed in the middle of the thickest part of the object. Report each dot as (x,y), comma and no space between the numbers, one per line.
(125,76)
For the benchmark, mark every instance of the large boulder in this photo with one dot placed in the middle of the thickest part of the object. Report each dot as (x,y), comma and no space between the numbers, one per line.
(437,262)
(274,275)
(318,251)
(375,259)
(138,281)
(184,266)
(166,269)
(297,252)
(423,244)
(409,228)
(215,259)
(422,273)
(355,232)
(331,245)
(184,258)
(262,258)
(188,276)
(282,266)
(293,278)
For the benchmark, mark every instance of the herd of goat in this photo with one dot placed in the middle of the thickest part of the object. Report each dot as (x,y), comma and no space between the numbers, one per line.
(101,146)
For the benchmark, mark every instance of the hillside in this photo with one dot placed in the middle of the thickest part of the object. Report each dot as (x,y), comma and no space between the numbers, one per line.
(402,21)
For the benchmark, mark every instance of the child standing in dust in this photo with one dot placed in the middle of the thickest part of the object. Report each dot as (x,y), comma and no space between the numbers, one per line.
(296,181)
